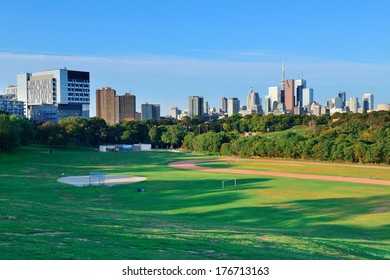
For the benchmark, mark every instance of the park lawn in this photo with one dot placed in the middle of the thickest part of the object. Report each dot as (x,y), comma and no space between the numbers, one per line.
(289,166)
(183,214)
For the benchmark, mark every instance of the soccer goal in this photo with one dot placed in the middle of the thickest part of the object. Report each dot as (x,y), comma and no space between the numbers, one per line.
(229,183)
(97,178)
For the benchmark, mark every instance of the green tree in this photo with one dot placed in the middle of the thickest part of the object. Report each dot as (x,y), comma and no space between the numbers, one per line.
(74,129)
(96,131)
(9,133)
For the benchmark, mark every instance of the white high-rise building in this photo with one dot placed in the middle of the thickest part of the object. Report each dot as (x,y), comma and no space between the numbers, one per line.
(275,97)
(54,94)
(307,97)
(233,106)
(175,112)
(368,101)
(353,104)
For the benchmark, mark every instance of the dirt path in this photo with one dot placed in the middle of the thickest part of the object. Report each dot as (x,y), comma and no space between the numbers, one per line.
(190,164)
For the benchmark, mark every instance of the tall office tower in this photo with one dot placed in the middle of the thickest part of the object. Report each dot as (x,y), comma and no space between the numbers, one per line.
(105,104)
(233,106)
(289,100)
(53,95)
(298,90)
(337,102)
(275,96)
(150,111)
(156,111)
(253,101)
(125,107)
(206,107)
(146,111)
(343,97)
(307,97)
(195,106)
(224,104)
(282,81)
(175,112)
(353,104)
(368,102)
(267,105)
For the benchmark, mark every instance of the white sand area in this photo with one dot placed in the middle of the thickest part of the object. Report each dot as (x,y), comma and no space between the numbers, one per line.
(110,180)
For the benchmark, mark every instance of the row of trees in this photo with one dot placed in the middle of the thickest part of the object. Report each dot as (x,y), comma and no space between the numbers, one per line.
(344,137)
(347,137)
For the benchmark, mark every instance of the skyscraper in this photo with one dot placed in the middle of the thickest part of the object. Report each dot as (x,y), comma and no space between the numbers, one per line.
(125,107)
(298,90)
(307,97)
(195,106)
(353,104)
(343,97)
(150,111)
(52,95)
(267,105)
(105,104)
(275,97)
(113,108)
(224,104)
(205,107)
(253,101)
(368,102)
(175,112)
(289,100)
(233,106)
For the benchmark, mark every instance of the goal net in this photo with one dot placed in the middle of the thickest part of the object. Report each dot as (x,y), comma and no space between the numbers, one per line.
(229,183)
(97,178)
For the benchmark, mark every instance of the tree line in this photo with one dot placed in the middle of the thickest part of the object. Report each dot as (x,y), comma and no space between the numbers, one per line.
(342,137)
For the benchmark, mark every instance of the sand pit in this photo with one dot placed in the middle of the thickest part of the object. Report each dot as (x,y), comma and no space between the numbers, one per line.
(110,180)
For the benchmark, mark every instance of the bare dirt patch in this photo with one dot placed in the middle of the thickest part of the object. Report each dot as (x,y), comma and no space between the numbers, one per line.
(190,164)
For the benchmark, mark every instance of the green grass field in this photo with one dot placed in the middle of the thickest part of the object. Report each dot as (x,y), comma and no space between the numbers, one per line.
(183,214)
(289,166)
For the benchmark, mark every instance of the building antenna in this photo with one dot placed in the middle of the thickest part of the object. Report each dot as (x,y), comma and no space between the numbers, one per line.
(282,82)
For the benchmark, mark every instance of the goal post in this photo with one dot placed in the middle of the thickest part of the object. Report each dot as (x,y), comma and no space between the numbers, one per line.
(225,183)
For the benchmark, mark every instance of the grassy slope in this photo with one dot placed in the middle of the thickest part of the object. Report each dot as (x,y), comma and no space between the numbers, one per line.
(183,215)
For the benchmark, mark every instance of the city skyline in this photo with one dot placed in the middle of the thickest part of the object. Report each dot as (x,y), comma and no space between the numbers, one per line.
(165,52)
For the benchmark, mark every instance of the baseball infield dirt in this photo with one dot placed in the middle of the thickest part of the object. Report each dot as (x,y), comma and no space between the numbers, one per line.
(190,164)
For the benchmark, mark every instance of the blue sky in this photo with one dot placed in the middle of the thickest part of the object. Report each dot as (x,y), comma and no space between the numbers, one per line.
(164,51)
